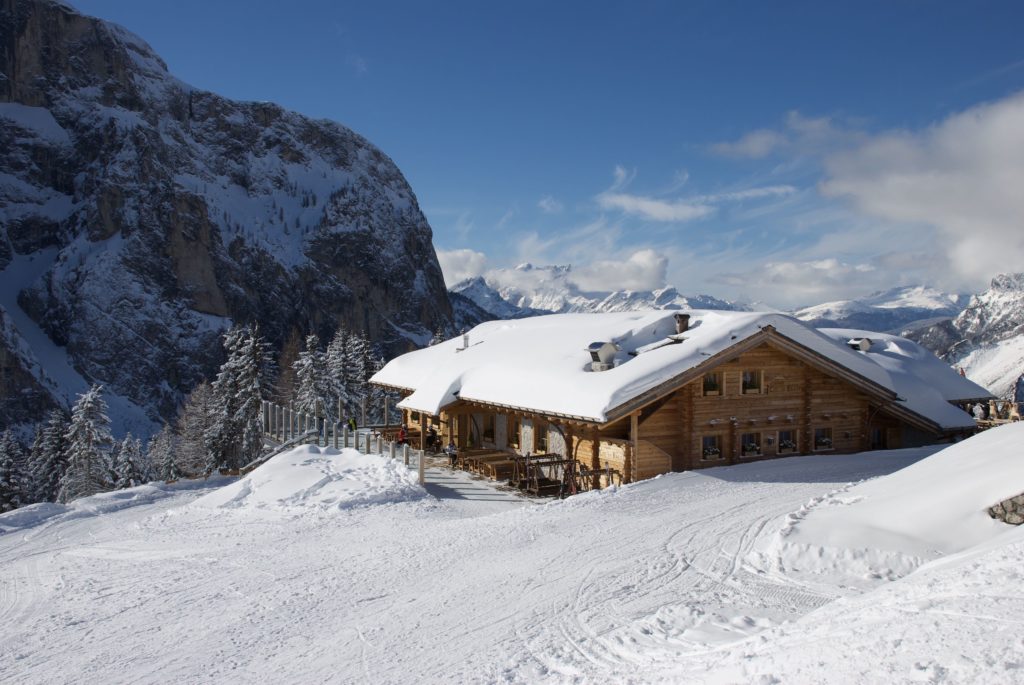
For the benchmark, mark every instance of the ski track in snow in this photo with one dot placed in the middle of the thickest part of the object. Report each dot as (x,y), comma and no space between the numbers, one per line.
(646,582)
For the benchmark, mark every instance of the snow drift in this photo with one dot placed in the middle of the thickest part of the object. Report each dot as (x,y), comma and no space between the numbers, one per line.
(311,479)
(888,527)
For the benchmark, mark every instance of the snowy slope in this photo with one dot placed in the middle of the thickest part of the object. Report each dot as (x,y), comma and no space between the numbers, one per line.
(985,339)
(659,581)
(887,310)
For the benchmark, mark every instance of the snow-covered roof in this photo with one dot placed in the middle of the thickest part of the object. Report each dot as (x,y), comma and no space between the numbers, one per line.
(541,363)
(925,383)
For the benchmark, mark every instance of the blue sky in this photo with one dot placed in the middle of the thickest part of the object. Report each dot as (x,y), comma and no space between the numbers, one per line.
(778,152)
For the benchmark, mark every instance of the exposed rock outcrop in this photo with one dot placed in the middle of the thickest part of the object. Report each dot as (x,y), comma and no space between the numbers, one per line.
(167,212)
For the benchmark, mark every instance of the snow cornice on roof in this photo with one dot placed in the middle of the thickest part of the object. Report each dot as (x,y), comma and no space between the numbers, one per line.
(540,365)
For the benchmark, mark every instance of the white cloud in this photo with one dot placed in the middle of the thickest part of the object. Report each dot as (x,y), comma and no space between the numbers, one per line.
(653,209)
(549,205)
(458,265)
(963,176)
(749,194)
(622,177)
(643,270)
(754,145)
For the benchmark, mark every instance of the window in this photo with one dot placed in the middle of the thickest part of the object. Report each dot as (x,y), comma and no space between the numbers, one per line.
(488,428)
(710,447)
(787,442)
(751,383)
(822,438)
(414,417)
(712,384)
(750,445)
(540,436)
(878,439)
(513,432)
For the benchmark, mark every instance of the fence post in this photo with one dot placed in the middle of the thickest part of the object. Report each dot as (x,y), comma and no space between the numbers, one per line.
(391,450)
(334,433)
(369,441)
(405,453)
(344,435)
(380,444)
(423,459)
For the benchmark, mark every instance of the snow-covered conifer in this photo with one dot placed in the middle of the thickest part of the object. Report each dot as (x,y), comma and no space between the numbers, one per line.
(311,386)
(11,476)
(88,447)
(52,463)
(197,417)
(34,468)
(236,435)
(337,370)
(127,466)
(162,453)
(357,370)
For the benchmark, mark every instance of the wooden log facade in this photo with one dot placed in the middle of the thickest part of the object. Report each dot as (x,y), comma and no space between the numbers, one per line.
(762,403)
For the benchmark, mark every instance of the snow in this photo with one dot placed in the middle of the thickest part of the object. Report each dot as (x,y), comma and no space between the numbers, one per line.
(926,384)
(48,361)
(997,365)
(658,581)
(35,120)
(310,479)
(518,363)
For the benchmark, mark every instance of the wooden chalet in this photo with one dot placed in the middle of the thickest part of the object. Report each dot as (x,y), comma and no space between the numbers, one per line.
(646,393)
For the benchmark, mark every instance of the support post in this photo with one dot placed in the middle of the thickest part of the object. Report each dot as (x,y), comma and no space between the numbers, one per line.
(405,453)
(344,435)
(380,444)
(334,434)
(364,411)
(391,450)
(421,468)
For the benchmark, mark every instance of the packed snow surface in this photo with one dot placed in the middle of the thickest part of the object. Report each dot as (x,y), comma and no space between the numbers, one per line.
(520,363)
(667,580)
(310,478)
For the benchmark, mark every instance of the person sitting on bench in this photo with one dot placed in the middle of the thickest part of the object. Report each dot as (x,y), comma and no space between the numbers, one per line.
(452,451)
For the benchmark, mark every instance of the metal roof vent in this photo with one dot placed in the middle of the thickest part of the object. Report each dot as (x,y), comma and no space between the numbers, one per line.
(602,355)
(861,344)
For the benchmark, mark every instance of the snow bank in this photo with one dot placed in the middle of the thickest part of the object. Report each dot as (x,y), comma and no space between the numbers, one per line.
(885,528)
(309,478)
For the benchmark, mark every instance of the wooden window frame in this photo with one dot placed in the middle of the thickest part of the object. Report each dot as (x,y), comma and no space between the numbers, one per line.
(540,444)
(831,441)
(759,443)
(794,438)
(718,446)
(717,392)
(759,374)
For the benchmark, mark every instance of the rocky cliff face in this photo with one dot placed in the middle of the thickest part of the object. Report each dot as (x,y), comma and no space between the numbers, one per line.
(986,339)
(141,216)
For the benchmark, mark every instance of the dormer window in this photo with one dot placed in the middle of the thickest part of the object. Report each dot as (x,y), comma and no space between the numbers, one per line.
(712,384)
(752,383)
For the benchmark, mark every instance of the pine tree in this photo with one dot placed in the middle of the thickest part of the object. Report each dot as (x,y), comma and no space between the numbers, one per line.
(129,457)
(251,388)
(337,379)
(357,371)
(53,457)
(88,446)
(160,452)
(32,478)
(437,338)
(197,417)
(222,438)
(236,434)
(11,485)
(311,387)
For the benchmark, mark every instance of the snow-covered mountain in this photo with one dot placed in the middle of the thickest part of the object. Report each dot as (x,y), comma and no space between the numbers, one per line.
(140,216)
(888,310)
(986,338)
(529,290)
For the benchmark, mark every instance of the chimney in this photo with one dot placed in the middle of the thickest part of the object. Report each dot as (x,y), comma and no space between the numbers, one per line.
(682,323)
